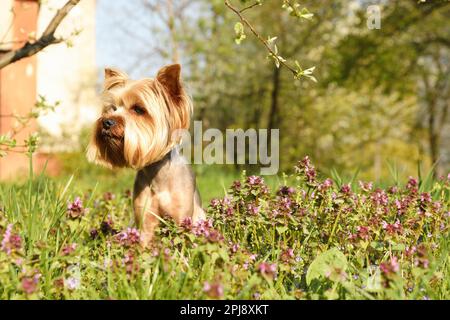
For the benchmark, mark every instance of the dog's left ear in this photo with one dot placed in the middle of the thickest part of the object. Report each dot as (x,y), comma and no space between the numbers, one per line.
(169,77)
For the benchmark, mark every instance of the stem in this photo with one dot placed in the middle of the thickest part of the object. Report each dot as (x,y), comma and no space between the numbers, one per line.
(259,37)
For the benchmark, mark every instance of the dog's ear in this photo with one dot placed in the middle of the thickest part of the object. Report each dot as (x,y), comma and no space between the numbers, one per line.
(170,77)
(114,77)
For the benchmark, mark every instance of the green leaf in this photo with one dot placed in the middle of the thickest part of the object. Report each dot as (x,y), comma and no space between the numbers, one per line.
(326,263)
(281,229)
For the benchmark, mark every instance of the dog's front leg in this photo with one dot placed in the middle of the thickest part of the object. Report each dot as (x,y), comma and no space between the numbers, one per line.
(146,214)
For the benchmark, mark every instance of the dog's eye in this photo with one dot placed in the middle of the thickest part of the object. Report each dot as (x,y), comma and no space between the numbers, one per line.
(139,110)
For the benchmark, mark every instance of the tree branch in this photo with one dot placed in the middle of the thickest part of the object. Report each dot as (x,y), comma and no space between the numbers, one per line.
(259,37)
(46,39)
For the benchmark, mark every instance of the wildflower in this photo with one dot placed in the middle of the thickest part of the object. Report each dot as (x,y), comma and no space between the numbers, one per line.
(362,232)
(412,185)
(93,233)
(236,187)
(202,228)
(287,255)
(365,186)
(379,198)
(255,180)
(69,249)
(107,227)
(393,190)
(130,262)
(215,203)
(269,269)
(409,251)
(390,267)
(346,189)
(129,237)
(392,228)
(109,196)
(304,166)
(73,283)
(29,284)
(285,191)
(252,209)
(234,247)
(187,224)
(10,241)
(214,236)
(214,290)
(75,209)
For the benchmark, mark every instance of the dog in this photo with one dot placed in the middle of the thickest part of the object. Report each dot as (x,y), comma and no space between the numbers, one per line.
(137,129)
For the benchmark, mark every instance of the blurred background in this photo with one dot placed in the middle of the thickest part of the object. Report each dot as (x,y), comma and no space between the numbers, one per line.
(379,108)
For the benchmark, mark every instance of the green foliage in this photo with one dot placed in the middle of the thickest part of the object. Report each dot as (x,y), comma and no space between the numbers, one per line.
(309,241)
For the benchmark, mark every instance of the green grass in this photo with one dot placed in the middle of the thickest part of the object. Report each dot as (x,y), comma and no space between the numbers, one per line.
(304,243)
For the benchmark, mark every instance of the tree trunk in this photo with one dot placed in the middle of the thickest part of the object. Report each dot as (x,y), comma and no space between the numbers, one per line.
(273,115)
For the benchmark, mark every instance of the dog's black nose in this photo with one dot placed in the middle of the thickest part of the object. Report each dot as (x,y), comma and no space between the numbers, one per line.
(108,123)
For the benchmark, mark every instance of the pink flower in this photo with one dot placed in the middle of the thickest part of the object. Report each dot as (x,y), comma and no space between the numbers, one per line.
(269,269)
(214,290)
(412,185)
(366,186)
(29,284)
(129,237)
(287,255)
(255,180)
(346,189)
(392,228)
(10,241)
(390,267)
(362,232)
(69,249)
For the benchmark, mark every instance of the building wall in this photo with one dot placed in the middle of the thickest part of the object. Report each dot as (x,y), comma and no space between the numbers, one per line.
(68,75)
(59,73)
(17,82)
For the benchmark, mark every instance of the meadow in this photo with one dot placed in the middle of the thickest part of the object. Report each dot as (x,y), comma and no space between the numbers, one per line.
(297,236)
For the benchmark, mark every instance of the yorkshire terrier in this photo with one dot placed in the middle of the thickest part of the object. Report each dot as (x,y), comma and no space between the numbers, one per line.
(137,129)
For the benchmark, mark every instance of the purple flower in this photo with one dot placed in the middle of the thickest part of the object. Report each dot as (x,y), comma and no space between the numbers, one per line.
(129,237)
(187,224)
(327,184)
(346,189)
(412,185)
(202,228)
(75,209)
(10,241)
(390,267)
(72,283)
(252,209)
(304,166)
(234,247)
(255,180)
(379,198)
(269,269)
(286,191)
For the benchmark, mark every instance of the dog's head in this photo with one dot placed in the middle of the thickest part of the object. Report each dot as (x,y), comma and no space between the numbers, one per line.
(139,118)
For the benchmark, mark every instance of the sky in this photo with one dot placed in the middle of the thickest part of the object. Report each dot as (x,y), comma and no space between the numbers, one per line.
(124,38)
